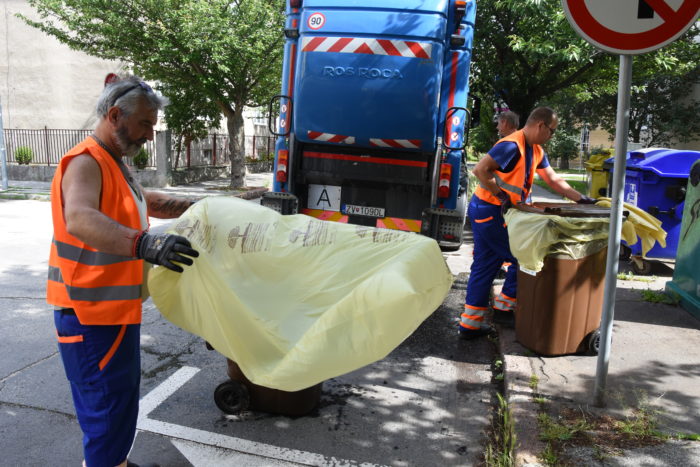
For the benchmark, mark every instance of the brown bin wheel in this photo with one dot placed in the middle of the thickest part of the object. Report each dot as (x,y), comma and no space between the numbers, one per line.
(232,397)
(641,267)
(625,253)
(593,342)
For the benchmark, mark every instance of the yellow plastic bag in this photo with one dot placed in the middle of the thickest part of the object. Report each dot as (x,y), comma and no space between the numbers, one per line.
(294,300)
(640,224)
(534,236)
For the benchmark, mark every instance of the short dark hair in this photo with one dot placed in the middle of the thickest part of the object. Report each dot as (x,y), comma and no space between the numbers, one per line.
(510,117)
(542,114)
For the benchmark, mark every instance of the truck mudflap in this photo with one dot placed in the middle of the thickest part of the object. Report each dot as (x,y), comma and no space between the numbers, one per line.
(284,203)
(446,226)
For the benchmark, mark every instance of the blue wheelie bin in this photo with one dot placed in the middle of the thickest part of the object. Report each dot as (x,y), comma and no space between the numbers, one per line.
(656,181)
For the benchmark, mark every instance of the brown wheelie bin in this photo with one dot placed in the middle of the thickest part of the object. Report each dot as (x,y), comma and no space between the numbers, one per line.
(559,309)
(239,394)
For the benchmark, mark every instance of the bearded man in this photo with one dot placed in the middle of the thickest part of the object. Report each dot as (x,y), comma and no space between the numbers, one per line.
(96,280)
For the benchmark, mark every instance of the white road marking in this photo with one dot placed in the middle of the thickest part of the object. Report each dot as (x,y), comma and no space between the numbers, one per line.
(216,441)
(207,456)
(167,388)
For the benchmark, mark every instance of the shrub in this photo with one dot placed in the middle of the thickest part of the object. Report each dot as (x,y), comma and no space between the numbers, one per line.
(24,155)
(141,158)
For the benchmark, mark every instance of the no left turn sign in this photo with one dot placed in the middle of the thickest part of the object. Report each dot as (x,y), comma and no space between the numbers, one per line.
(630,27)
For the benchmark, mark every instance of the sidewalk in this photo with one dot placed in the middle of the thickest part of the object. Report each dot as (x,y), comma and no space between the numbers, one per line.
(653,375)
(256,184)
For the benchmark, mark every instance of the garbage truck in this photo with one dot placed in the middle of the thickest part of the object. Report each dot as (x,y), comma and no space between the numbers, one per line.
(372,122)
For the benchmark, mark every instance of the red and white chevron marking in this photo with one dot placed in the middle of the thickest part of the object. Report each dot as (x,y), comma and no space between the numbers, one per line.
(359,45)
(395,143)
(330,137)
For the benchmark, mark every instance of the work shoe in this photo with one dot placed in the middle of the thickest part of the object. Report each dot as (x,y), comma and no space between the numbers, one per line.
(469,334)
(504,318)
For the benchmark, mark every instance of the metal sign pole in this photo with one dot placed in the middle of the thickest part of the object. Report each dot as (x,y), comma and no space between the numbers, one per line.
(606,323)
(3,155)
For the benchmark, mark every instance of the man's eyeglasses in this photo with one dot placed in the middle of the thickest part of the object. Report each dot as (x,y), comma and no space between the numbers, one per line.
(551,130)
(140,84)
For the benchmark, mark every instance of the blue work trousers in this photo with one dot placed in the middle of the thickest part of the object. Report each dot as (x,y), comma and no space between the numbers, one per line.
(103,365)
(491,250)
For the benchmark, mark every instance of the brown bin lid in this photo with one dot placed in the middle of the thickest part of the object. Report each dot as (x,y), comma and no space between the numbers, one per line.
(567,209)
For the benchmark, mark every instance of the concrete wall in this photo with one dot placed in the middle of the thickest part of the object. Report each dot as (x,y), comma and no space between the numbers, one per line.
(43,83)
(39,173)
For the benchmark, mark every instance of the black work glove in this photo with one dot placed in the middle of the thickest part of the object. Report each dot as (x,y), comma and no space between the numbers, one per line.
(163,249)
(506,203)
(586,200)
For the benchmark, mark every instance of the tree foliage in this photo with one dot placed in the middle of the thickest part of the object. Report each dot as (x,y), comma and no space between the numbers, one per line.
(526,54)
(209,55)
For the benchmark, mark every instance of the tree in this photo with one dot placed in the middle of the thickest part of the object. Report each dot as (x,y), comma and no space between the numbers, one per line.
(226,52)
(662,109)
(190,116)
(527,54)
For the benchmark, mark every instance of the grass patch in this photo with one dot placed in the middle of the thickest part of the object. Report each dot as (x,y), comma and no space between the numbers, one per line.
(549,456)
(571,171)
(500,452)
(534,381)
(580,186)
(561,429)
(608,436)
(653,296)
(626,276)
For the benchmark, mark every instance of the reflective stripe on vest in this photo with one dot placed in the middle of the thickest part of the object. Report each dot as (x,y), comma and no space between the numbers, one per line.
(93,258)
(102,288)
(513,182)
(96,294)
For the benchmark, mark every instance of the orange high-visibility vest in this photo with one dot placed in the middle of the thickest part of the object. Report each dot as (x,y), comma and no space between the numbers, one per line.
(102,288)
(513,182)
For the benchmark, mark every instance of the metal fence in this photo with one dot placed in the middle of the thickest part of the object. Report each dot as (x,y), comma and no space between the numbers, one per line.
(210,151)
(49,145)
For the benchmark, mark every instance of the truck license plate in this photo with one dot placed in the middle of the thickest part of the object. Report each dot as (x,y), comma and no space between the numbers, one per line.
(367,211)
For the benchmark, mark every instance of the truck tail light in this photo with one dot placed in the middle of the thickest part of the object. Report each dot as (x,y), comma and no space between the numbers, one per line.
(282,161)
(444,182)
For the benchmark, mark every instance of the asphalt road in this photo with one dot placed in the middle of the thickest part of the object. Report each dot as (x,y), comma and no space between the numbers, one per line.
(426,404)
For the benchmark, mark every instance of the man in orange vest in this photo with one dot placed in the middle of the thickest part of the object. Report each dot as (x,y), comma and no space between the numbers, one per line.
(505,178)
(96,279)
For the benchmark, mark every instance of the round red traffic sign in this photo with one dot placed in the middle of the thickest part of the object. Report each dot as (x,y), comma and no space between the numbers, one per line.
(631,27)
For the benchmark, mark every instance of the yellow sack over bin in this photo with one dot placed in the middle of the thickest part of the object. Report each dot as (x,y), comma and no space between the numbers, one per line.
(294,300)
(534,236)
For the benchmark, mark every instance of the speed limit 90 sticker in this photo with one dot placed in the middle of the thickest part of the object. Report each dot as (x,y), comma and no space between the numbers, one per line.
(316,21)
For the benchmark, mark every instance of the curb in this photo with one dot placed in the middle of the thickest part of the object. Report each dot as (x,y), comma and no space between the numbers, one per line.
(253,193)
(25,196)
(520,397)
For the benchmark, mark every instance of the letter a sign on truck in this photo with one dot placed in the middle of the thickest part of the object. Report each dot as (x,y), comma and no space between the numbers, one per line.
(630,27)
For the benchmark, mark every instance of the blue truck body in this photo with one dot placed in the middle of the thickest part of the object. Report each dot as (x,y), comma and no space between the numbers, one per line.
(372,114)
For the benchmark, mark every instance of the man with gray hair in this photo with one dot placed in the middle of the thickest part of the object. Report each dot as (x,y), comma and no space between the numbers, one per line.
(97,273)
(506,123)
